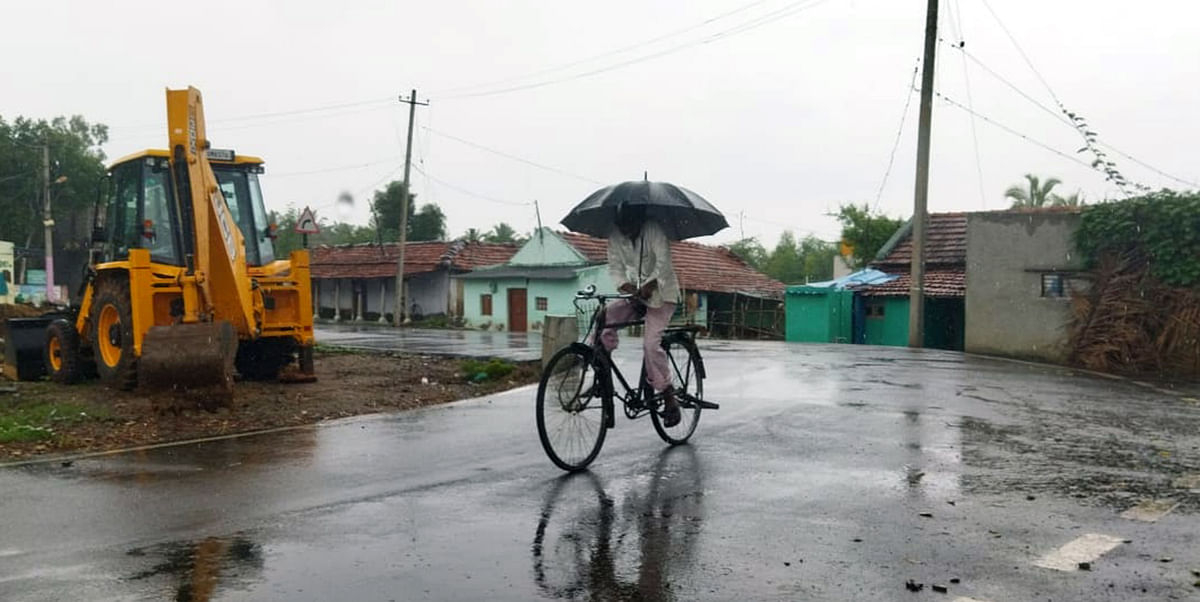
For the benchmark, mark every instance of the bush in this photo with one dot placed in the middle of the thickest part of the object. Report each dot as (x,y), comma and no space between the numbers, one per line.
(1163,227)
(494,369)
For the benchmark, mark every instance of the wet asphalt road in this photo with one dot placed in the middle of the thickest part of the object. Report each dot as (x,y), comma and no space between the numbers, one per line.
(830,473)
(512,346)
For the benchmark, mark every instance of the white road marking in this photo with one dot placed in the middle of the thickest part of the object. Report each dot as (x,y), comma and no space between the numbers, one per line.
(966,599)
(1150,511)
(1085,548)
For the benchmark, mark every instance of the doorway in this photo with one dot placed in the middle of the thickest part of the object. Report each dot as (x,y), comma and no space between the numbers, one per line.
(517,310)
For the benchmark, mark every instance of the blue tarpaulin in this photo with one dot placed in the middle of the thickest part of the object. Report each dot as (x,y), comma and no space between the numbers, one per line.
(857,279)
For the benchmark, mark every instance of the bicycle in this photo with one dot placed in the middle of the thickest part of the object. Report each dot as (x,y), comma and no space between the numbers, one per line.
(575,398)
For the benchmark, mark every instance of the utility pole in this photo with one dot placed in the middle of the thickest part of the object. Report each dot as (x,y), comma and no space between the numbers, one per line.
(48,223)
(916,291)
(401,312)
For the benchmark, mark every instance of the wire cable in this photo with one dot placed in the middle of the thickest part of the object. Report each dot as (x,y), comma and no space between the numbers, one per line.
(608,53)
(514,157)
(469,192)
(912,86)
(776,15)
(955,15)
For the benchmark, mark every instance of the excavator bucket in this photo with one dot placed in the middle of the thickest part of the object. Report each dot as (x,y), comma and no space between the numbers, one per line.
(192,361)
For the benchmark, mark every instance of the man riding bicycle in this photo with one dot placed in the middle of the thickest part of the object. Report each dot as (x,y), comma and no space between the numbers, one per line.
(639,261)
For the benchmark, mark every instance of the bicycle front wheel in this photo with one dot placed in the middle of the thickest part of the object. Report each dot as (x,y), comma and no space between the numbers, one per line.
(570,409)
(684,360)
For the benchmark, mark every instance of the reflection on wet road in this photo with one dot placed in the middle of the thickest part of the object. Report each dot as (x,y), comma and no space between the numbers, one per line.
(830,473)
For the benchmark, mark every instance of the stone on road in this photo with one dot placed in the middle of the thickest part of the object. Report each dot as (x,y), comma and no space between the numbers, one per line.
(813,455)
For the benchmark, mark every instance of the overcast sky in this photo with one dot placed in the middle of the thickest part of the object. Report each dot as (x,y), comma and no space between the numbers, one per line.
(775,110)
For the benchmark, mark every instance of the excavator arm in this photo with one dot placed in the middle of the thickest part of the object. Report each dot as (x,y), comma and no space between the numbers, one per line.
(214,248)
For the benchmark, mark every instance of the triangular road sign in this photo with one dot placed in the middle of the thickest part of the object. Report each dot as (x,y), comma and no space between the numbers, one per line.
(307,224)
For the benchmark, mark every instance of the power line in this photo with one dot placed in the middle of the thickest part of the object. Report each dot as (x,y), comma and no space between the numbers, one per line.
(608,53)
(257,116)
(469,192)
(955,16)
(1010,130)
(513,157)
(773,16)
(1058,116)
(332,169)
(899,133)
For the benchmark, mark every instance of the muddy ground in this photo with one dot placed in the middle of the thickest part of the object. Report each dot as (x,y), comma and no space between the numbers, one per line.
(91,417)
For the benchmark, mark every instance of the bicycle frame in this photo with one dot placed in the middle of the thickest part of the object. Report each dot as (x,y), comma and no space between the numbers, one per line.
(637,401)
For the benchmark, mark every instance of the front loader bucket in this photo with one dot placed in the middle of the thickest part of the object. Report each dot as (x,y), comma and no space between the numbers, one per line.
(24,348)
(193,361)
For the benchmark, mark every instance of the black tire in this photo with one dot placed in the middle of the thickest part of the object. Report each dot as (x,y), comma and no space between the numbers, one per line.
(264,359)
(64,364)
(684,359)
(112,343)
(571,414)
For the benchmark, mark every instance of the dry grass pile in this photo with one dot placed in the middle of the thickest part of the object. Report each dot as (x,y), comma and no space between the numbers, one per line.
(1131,323)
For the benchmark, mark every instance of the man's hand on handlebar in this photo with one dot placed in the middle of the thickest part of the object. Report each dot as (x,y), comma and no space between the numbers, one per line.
(627,288)
(648,289)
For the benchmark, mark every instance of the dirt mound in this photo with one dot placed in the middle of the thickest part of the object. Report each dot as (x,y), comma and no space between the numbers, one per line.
(16,311)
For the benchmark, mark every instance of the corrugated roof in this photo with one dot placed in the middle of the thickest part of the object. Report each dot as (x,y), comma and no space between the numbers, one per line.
(699,267)
(945,243)
(941,282)
(375,261)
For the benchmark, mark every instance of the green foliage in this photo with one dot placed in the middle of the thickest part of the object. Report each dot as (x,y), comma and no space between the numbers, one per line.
(35,422)
(332,233)
(750,251)
(865,231)
(1038,193)
(428,224)
(74,152)
(494,369)
(1164,226)
(792,262)
(502,232)
(472,235)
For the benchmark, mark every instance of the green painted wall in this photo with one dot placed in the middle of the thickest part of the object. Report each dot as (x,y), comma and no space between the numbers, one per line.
(819,315)
(473,290)
(892,327)
(943,322)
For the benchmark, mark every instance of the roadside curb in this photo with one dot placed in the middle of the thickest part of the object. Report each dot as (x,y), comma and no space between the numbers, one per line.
(1104,375)
(269,431)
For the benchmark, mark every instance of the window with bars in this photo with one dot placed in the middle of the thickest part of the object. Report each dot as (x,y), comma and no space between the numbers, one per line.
(1054,286)
(541,303)
(485,305)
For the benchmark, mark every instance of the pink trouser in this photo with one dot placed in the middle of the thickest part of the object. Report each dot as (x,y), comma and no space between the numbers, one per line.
(658,367)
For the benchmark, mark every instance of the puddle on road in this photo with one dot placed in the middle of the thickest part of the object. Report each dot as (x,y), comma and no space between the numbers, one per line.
(195,570)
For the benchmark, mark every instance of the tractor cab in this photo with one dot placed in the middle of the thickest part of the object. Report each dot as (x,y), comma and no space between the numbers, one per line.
(142,212)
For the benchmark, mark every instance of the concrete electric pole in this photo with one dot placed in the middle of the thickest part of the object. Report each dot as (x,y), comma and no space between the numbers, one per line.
(48,223)
(916,291)
(401,313)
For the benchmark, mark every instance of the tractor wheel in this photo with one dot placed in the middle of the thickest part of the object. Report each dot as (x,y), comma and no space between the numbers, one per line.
(112,334)
(64,364)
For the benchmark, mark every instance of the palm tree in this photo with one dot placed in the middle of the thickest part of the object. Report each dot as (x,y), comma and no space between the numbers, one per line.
(1075,199)
(1038,194)
(472,235)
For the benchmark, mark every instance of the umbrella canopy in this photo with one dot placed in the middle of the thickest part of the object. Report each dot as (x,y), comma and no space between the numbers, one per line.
(681,213)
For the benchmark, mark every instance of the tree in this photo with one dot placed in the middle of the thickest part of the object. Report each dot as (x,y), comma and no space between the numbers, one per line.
(385,211)
(1075,199)
(865,232)
(750,251)
(784,263)
(817,256)
(74,153)
(332,233)
(472,235)
(501,232)
(1037,195)
(428,224)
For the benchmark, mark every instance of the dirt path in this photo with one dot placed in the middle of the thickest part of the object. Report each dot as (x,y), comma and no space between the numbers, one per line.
(90,417)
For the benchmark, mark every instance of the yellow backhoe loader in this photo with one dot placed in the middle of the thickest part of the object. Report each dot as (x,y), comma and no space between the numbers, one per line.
(185,285)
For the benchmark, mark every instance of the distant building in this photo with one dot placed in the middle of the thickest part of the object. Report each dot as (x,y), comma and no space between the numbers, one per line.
(358,282)
(721,292)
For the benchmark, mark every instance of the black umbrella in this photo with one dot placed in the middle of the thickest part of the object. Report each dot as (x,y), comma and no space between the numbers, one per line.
(681,213)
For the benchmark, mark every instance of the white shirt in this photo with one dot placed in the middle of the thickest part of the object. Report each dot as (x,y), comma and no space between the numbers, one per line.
(652,252)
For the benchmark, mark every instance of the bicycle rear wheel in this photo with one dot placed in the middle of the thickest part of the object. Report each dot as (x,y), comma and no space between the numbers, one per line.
(684,360)
(570,409)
